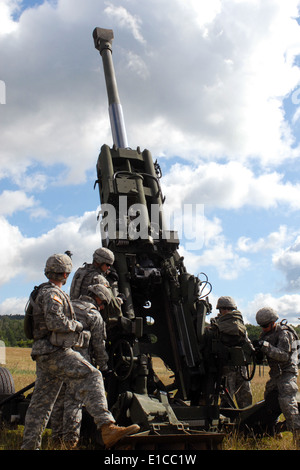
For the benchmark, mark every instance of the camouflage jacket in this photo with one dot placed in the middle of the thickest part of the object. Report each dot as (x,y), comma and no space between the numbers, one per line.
(86,276)
(229,328)
(91,319)
(281,352)
(53,318)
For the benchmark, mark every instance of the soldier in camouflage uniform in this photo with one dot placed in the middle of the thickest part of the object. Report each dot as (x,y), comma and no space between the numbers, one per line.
(103,259)
(230,320)
(279,344)
(100,271)
(66,416)
(55,332)
(67,413)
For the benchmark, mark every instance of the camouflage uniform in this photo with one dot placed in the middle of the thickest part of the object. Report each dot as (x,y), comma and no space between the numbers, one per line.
(66,416)
(229,328)
(89,274)
(279,346)
(55,332)
(237,387)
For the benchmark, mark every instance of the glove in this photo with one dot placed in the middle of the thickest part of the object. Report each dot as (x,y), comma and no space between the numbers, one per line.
(79,326)
(119,301)
(259,355)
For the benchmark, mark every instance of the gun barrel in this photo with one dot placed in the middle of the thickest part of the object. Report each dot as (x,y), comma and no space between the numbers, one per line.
(103,43)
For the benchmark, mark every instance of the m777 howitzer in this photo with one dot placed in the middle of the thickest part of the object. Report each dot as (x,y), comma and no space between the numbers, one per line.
(165,307)
(163,315)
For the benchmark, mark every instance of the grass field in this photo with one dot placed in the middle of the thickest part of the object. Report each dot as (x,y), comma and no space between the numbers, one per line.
(22,368)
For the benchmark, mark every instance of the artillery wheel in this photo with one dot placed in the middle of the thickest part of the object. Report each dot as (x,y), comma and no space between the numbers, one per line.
(7,385)
(122,359)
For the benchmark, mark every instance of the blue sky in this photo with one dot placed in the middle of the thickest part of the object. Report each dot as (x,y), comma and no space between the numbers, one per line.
(212,89)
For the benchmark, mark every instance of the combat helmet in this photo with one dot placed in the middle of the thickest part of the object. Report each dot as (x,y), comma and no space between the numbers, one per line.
(99,279)
(266,315)
(103,255)
(226,302)
(58,263)
(100,291)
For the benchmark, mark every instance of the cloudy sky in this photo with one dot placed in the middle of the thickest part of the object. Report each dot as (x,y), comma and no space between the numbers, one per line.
(211,88)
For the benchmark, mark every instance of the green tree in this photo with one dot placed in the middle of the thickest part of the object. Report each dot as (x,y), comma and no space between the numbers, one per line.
(12,331)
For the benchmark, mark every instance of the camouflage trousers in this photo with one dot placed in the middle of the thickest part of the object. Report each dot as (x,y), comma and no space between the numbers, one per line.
(66,417)
(237,387)
(286,385)
(84,381)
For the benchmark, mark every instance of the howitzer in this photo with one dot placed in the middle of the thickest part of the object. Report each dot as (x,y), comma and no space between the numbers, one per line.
(165,307)
(164,314)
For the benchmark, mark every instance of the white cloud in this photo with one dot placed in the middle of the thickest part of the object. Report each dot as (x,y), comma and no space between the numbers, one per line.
(126,20)
(7,8)
(230,185)
(220,255)
(13,306)
(288,261)
(11,201)
(273,242)
(27,256)
(287,307)
(210,88)
(10,247)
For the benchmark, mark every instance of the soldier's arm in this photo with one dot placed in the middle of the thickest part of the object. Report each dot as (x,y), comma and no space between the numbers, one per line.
(282,351)
(55,318)
(98,341)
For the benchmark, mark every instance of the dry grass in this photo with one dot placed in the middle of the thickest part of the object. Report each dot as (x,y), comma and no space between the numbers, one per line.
(22,368)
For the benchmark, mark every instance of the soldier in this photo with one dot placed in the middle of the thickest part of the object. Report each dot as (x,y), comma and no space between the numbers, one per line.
(66,416)
(55,333)
(100,270)
(233,332)
(279,343)
(103,260)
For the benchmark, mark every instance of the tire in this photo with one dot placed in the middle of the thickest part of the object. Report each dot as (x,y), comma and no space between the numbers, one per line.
(7,385)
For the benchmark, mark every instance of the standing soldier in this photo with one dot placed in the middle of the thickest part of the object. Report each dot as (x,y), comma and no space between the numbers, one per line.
(100,271)
(279,343)
(55,333)
(103,259)
(66,416)
(230,326)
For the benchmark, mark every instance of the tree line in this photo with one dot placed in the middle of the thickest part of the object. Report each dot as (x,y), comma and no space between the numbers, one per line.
(12,331)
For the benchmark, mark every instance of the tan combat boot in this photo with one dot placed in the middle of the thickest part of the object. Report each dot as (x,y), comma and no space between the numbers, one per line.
(111,433)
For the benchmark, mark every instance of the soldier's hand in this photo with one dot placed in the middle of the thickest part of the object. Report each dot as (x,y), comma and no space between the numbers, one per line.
(79,326)
(257,344)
